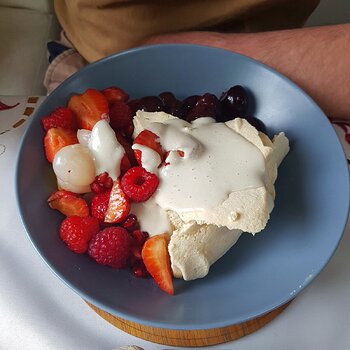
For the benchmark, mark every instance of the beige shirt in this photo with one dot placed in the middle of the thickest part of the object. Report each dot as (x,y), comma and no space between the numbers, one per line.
(98,28)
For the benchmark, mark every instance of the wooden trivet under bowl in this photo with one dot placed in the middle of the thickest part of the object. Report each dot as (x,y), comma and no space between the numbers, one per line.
(201,337)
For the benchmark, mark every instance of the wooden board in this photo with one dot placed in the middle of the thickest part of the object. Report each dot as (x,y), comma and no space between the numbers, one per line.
(202,337)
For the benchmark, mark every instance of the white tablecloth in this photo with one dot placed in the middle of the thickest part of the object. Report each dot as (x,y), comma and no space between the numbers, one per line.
(39,312)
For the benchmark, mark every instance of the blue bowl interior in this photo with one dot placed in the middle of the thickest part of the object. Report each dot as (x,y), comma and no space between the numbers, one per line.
(259,273)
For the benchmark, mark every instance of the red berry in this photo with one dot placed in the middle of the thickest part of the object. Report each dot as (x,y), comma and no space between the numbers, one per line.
(89,108)
(131,223)
(139,184)
(118,206)
(140,271)
(114,94)
(77,231)
(111,247)
(57,138)
(68,203)
(102,178)
(99,205)
(97,188)
(60,118)
(140,237)
(134,105)
(121,115)
(102,183)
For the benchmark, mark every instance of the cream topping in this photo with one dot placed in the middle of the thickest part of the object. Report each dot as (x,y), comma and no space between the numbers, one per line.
(152,218)
(211,168)
(105,149)
(150,159)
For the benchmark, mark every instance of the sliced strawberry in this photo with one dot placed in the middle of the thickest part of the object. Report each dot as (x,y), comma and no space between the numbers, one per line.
(99,205)
(119,205)
(57,138)
(89,108)
(138,156)
(157,261)
(149,139)
(61,117)
(68,203)
(114,94)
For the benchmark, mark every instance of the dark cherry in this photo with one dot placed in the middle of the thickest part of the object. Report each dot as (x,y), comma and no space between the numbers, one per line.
(168,99)
(172,105)
(189,103)
(207,105)
(199,111)
(134,105)
(257,123)
(151,104)
(234,102)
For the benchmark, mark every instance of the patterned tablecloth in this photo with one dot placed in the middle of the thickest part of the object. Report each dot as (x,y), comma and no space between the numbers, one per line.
(40,312)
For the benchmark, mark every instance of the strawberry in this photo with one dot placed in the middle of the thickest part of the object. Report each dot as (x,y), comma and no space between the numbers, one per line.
(118,206)
(61,117)
(57,138)
(68,203)
(149,139)
(89,108)
(114,94)
(76,232)
(99,205)
(120,115)
(139,184)
(157,261)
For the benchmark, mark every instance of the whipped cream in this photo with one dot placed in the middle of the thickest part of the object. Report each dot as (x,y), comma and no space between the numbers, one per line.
(152,218)
(211,167)
(105,149)
(150,159)
(221,185)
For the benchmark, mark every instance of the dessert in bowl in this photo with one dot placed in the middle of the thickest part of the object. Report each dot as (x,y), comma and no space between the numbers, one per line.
(275,262)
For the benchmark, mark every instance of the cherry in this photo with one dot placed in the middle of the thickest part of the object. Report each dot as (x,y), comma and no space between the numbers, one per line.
(207,105)
(234,102)
(134,105)
(257,123)
(172,105)
(189,103)
(151,104)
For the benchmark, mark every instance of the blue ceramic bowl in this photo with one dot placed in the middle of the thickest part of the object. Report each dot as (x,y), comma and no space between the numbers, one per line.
(259,273)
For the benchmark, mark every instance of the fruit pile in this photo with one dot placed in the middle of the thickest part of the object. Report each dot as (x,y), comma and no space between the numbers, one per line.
(103,226)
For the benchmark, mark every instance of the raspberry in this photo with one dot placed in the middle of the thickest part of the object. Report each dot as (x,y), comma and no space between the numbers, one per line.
(99,205)
(102,183)
(131,223)
(77,231)
(139,184)
(111,246)
(60,118)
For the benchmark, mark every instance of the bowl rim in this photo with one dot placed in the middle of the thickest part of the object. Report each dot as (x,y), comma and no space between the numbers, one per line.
(158,324)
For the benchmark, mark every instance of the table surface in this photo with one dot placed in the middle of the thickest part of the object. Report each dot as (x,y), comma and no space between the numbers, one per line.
(38,311)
